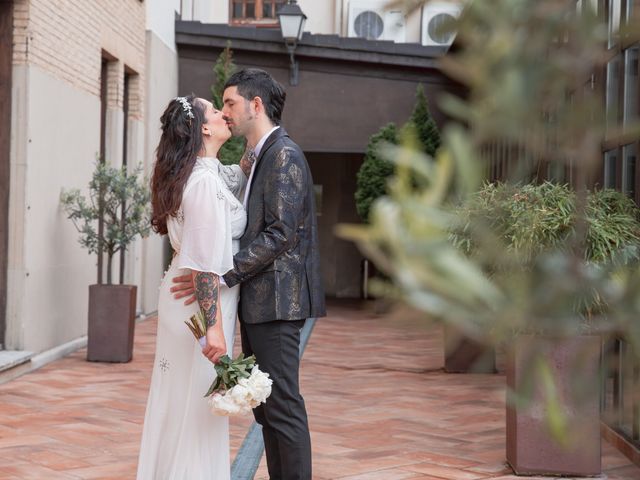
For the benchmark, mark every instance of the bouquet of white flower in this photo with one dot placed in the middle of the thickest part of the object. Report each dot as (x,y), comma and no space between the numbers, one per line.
(240,385)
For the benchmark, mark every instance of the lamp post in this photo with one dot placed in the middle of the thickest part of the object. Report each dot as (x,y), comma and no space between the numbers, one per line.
(292,21)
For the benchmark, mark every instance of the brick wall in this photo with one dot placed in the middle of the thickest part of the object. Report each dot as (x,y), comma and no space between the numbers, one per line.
(67,38)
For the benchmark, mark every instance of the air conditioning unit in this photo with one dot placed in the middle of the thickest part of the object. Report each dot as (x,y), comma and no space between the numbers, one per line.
(434,15)
(369,19)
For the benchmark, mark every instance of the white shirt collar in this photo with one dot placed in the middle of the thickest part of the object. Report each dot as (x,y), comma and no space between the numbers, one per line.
(260,144)
(257,151)
(207,162)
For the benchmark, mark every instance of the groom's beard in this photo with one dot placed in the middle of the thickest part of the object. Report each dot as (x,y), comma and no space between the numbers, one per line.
(235,132)
(241,130)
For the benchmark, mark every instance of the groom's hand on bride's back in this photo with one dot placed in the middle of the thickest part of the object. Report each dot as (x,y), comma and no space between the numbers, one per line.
(183,287)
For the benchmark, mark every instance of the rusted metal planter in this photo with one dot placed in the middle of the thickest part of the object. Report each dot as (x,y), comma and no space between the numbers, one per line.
(464,355)
(112,310)
(531,449)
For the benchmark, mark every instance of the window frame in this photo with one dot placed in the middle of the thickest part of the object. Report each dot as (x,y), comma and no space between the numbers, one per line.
(259,20)
(618,141)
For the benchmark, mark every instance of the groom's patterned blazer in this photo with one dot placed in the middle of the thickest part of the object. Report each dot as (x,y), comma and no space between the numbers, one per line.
(278,265)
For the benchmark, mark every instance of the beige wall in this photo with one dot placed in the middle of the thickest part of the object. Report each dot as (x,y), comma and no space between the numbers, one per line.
(206,11)
(321,16)
(48,270)
(58,48)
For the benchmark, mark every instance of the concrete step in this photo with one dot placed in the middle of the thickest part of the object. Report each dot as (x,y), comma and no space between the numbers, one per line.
(11,360)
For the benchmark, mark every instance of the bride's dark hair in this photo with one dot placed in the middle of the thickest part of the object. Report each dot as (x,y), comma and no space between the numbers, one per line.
(180,143)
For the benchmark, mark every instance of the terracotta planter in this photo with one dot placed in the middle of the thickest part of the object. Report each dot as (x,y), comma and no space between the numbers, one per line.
(112,311)
(531,449)
(464,355)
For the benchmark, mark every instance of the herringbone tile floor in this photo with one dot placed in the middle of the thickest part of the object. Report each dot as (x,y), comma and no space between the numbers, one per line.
(380,408)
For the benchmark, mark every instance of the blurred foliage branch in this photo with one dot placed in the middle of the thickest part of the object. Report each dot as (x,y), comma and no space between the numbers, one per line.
(528,69)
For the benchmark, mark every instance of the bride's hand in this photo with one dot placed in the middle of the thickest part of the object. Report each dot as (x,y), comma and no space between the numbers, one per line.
(216,345)
(184,288)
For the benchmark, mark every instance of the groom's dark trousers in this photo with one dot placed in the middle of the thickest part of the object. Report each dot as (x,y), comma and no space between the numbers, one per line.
(278,270)
(283,417)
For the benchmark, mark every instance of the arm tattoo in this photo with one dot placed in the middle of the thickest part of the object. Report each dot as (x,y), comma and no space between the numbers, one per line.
(207,286)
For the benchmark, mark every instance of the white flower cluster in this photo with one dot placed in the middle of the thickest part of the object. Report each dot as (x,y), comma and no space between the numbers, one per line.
(186,106)
(246,395)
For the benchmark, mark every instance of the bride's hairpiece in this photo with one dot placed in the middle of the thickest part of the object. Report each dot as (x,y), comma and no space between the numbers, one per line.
(186,106)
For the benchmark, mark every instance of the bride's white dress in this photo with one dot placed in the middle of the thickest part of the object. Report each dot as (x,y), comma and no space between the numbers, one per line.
(181,439)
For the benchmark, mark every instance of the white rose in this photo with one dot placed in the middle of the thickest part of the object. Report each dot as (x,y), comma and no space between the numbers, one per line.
(259,384)
(223,405)
(240,394)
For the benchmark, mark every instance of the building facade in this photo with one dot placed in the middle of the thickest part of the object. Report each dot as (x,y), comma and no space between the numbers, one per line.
(73,88)
(369,19)
(81,80)
(352,82)
(74,65)
(619,85)
(616,86)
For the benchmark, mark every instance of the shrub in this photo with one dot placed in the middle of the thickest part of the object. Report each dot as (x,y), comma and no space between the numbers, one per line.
(372,176)
(231,152)
(424,124)
(529,219)
(376,169)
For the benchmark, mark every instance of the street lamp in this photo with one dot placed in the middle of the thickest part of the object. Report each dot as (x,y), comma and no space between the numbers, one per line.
(292,21)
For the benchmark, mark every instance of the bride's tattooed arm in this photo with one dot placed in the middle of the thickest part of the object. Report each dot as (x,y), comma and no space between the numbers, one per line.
(207,287)
(207,290)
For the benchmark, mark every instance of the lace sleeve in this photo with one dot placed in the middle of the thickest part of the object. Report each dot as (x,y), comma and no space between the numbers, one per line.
(206,233)
(234,178)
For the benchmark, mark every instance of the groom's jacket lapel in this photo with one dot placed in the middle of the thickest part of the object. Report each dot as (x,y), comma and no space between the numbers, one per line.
(278,133)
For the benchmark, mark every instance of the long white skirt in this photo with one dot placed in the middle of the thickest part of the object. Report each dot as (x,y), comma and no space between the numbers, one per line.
(181,439)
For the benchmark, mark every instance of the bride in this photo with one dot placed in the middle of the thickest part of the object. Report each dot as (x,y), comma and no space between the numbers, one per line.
(192,203)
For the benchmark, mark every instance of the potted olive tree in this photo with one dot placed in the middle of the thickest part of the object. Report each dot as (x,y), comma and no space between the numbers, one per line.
(531,111)
(114,213)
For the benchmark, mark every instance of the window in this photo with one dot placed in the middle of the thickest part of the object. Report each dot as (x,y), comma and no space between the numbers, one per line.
(620,152)
(613,89)
(631,85)
(255,11)
(613,13)
(630,9)
(610,161)
(622,101)
(629,155)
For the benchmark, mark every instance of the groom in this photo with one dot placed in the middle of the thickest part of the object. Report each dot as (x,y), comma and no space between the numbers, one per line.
(277,266)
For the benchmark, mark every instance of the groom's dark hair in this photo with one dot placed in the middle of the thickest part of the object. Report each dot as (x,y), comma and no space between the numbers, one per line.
(253,82)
